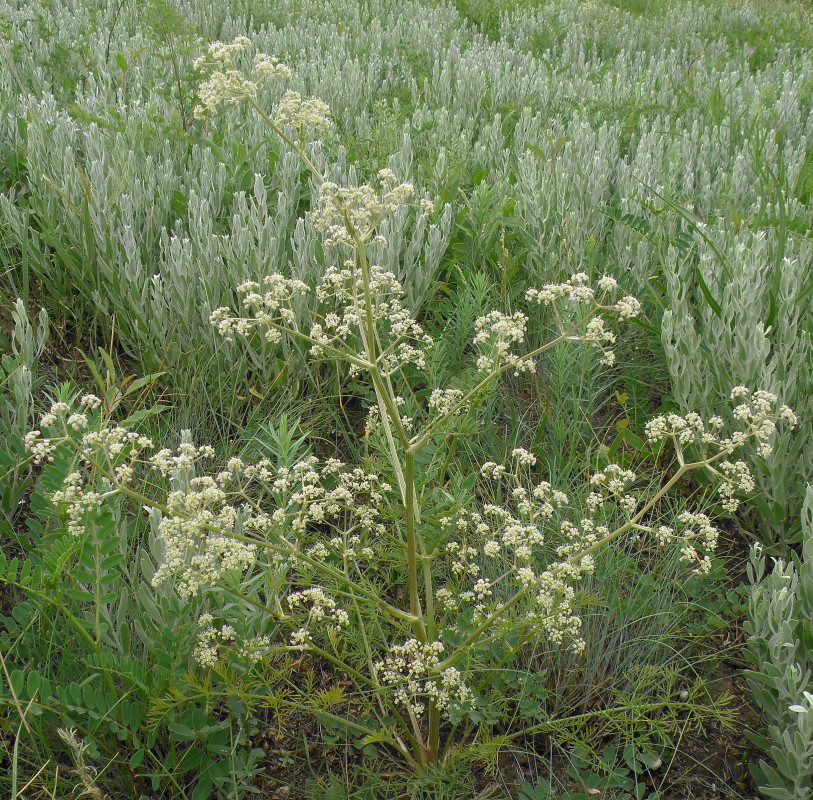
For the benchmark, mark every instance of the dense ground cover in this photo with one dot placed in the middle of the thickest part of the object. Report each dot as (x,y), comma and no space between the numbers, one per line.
(375,647)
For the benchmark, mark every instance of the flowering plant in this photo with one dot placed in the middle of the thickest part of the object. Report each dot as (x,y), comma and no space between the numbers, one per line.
(461,579)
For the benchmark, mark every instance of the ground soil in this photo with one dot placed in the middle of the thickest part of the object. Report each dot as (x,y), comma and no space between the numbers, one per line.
(709,764)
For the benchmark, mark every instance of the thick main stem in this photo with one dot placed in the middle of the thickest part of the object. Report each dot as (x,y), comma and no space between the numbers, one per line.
(433,743)
(412,540)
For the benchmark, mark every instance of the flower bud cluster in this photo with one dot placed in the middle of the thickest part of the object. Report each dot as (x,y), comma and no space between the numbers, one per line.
(224,83)
(596,333)
(756,412)
(412,669)
(321,608)
(350,215)
(495,333)
(112,441)
(269,306)
(220,53)
(210,639)
(205,517)
(694,528)
(302,115)
(41,447)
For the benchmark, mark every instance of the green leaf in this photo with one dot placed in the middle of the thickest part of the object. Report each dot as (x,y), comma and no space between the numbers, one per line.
(182,732)
(144,413)
(203,789)
(17,682)
(193,758)
(179,204)
(80,595)
(714,305)
(146,380)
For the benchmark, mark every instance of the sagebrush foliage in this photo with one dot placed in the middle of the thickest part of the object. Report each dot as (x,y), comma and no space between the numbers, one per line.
(780,646)
(476,151)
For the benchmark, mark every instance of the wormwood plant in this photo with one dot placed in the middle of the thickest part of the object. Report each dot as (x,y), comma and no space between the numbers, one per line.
(780,646)
(412,586)
(18,383)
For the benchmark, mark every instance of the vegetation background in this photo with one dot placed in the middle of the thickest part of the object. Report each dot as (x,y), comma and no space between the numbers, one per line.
(665,144)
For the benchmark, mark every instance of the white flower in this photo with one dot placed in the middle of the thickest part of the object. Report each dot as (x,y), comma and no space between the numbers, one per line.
(412,669)
(495,333)
(302,115)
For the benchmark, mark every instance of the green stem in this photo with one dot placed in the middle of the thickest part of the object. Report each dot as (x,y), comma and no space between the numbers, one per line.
(417,442)
(369,317)
(557,724)
(412,546)
(433,742)
(342,354)
(458,652)
(300,151)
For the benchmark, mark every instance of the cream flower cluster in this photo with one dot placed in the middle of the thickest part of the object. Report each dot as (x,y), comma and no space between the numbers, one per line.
(755,416)
(412,669)
(224,83)
(443,401)
(611,483)
(321,608)
(555,598)
(78,499)
(350,499)
(755,412)
(735,478)
(349,215)
(197,535)
(694,528)
(576,290)
(599,298)
(302,115)
(111,441)
(309,500)
(80,494)
(402,339)
(269,306)
(184,458)
(495,334)
(209,639)
(519,535)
